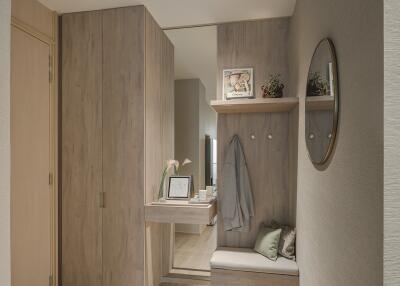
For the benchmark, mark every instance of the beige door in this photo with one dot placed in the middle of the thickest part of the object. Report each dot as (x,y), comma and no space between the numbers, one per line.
(30,161)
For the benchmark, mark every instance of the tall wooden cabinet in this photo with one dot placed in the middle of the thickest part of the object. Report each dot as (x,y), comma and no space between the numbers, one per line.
(117,131)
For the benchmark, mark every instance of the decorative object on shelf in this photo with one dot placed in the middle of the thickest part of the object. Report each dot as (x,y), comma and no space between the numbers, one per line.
(179,188)
(202,195)
(316,85)
(274,87)
(237,83)
(170,164)
(322,105)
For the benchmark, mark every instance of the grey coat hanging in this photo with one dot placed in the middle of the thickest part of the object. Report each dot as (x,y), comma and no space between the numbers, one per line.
(237,200)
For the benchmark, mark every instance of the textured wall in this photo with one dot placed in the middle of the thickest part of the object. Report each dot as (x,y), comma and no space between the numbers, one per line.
(392,142)
(339,217)
(5,19)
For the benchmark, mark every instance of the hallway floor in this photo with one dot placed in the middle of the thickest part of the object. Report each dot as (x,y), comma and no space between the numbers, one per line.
(194,251)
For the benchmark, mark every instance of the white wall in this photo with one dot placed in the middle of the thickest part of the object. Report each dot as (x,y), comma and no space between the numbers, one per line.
(392,142)
(5,20)
(339,210)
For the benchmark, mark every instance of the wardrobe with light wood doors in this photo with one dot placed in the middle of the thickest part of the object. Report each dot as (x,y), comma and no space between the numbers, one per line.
(117,131)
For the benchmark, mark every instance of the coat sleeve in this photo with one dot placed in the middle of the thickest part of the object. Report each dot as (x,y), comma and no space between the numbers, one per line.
(245,192)
(229,201)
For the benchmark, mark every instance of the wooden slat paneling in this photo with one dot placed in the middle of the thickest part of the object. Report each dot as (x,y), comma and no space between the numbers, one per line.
(267,162)
(81,149)
(159,122)
(123,146)
(261,45)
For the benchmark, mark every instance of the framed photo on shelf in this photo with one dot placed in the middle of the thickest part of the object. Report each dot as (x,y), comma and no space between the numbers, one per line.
(179,188)
(238,83)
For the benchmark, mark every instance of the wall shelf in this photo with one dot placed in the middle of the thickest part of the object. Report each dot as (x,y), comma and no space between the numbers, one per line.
(284,104)
(180,212)
(324,102)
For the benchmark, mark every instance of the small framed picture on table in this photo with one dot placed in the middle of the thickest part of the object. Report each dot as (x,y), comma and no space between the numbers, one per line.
(179,188)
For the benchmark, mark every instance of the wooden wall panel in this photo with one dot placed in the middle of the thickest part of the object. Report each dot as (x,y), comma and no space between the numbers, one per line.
(81,149)
(159,122)
(35,15)
(272,162)
(267,162)
(168,137)
(123,146)
(259,44)
(30,161)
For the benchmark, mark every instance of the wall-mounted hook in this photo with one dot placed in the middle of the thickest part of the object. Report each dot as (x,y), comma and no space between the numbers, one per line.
(253,137)
(269,136)
(329,135)
(311,136)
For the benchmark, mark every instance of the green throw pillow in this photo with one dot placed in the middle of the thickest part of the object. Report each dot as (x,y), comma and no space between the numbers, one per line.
(267,242)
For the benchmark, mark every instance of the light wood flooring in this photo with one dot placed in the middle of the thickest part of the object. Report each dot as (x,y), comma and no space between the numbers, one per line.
(194,251)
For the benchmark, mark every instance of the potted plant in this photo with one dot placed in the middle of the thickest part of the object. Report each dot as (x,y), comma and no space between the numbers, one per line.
(316,86)
(274,87)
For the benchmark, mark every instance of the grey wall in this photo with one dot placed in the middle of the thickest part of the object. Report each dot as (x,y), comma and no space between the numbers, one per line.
(194,118)
(207,126)
(5,20)
(339,210)
(186,125)
(392,142)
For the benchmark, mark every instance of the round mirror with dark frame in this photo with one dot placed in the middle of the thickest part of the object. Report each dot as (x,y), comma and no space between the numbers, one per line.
(322,103)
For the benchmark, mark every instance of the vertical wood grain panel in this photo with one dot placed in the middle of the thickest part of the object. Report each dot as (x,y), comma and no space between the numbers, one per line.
(123,146)
(262,45)
(259,44)
(30,161)
(81,149)
(159,122)
(168,139)
(267,162)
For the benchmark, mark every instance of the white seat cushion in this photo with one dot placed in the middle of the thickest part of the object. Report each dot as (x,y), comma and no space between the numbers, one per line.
(246,259)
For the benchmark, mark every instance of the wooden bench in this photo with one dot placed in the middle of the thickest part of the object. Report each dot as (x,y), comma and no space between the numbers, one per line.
(245,267)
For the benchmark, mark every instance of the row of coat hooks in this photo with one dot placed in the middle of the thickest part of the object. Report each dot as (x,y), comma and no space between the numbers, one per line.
(254,137)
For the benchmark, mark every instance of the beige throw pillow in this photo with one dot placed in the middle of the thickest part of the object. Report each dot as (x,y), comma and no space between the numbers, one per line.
(287,240)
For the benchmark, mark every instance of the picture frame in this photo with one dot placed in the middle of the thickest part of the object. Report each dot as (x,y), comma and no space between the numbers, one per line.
(179,187)
(237,83)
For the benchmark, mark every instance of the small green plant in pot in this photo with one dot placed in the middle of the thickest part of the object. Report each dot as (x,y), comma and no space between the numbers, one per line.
(316,86)
(274,87)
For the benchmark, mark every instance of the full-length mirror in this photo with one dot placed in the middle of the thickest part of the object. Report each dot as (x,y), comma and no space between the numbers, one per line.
(322,102)
(195,139)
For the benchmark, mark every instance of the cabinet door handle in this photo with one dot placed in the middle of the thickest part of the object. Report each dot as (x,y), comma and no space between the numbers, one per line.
(101,200)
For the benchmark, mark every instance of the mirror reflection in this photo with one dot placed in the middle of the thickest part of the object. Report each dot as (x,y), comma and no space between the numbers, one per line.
(195,138)
(321,103)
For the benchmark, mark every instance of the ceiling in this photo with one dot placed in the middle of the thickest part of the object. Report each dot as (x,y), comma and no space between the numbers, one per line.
(173,13)
(196,55)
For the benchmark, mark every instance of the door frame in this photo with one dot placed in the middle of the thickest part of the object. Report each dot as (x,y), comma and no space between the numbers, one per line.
(53,120)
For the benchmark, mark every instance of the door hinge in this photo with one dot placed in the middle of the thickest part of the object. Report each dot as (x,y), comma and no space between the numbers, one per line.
(101,200)
(51,280)
(51,178)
